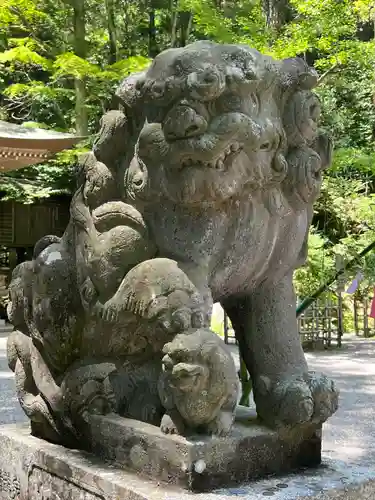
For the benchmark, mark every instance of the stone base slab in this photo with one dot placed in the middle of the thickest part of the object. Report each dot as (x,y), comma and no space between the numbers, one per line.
(32,469)
(203,463)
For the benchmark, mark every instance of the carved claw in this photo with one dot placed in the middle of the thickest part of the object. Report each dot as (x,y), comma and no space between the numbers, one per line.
(307,398)
(88,292)
(109,312)
(168,426)
(325,394)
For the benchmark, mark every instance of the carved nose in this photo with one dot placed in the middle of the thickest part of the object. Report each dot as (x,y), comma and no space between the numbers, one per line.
(183,122)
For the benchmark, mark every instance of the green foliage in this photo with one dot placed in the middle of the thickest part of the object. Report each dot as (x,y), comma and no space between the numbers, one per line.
(217,326)
(308,278)
(43,180)
(209,20)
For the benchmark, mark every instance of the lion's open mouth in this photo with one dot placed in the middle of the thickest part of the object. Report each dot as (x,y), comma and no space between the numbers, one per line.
(220,163)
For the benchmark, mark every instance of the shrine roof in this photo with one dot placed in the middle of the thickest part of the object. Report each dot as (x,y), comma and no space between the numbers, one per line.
(22,146)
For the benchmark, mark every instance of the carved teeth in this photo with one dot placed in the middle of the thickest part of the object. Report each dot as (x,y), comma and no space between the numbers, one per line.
(219,165)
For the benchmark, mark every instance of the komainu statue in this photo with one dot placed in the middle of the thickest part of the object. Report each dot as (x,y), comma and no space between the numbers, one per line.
(199,189)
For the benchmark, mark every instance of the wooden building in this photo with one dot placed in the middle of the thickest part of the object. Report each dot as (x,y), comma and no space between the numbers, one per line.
(21,225)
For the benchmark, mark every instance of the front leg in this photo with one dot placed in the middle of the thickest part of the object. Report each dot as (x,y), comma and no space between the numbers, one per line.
(266,328)
(198,275)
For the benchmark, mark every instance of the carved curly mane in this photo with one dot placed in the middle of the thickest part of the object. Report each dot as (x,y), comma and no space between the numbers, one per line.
(189,114)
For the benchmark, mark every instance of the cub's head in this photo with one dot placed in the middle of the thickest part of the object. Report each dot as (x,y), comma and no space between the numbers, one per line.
(189,360)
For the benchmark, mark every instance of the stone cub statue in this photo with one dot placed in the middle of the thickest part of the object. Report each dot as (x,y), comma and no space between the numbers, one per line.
(199,386)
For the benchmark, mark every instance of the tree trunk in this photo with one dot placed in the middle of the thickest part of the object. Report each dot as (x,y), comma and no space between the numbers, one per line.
(112,32)
(174,17)
(80,108)
(152,46)
(80,50)
(277,13)
(186,20)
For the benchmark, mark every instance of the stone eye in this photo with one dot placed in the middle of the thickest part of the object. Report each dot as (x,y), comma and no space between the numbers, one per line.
(249,75)
(266,146)
(138,181)
(228,103)
(209,78)
(157,90)
(206,84)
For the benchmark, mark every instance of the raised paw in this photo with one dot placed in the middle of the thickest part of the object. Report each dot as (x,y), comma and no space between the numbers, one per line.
(306,398)
(109,312)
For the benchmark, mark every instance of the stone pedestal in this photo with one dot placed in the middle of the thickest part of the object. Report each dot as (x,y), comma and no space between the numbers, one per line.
(203,463)
(32,469)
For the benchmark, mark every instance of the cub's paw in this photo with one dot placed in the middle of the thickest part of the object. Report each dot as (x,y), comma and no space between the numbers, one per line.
(167,425)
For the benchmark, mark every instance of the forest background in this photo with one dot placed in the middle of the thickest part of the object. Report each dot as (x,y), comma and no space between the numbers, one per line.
(61,60)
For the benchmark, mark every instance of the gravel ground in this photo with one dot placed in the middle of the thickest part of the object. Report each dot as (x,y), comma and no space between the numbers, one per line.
(350,433)
(10,410)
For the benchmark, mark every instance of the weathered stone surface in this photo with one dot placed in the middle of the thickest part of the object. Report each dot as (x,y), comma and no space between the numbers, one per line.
(28,463)
(202,463)
(199,188)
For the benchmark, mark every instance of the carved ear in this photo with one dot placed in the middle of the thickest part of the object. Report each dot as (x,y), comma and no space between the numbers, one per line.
(136,177)
(112,140)
(128,95)
(208,350)
(43,243)
(296,73)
